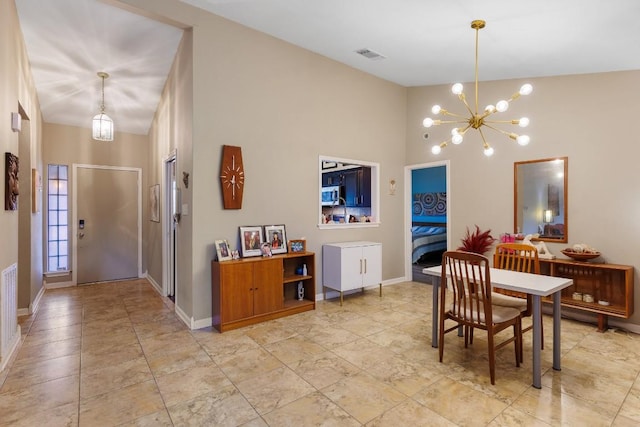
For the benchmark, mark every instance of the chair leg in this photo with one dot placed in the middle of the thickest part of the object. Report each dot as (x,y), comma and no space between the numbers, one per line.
(517,332)
(520,344)
(441,338)
(492,358)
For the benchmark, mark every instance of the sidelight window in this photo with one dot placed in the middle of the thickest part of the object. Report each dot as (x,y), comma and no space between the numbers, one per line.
(57,218)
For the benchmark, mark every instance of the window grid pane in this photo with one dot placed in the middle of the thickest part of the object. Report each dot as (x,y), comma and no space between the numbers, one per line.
(57,236)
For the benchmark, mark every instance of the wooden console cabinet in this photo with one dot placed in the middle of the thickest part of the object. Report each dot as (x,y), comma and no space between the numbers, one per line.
(607,283)
(252,290)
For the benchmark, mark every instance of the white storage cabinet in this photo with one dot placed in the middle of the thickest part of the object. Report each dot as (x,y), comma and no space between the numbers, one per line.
(351,265)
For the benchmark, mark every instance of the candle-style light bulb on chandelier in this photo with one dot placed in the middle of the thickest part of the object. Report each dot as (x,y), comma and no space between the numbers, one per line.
(477,119)
(102,124)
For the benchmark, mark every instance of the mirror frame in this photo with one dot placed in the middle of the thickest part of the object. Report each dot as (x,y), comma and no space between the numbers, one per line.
(516,209)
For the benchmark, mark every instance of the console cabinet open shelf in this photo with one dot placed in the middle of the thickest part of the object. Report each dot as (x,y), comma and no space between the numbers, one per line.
(252,290)
(610,284)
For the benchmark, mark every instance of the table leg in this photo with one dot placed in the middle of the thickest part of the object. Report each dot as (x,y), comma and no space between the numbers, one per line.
(435,284)
(556,330)
(537,340)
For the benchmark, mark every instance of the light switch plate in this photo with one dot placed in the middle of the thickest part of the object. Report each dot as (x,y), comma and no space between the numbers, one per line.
(16,122)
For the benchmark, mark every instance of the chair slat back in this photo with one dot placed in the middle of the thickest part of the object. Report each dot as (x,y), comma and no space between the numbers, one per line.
(470,285)
(516,257)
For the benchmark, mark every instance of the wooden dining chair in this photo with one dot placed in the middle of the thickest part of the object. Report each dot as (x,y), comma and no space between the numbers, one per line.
(523,258)
(469,282)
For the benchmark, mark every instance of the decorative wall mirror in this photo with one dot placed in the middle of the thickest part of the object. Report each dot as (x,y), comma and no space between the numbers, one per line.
(540,198)
(348,193)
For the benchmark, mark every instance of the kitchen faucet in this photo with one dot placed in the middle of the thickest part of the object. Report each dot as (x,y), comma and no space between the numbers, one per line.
(337,203)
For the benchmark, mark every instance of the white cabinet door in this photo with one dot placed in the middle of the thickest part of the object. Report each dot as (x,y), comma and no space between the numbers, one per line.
(372,265)
(352,268)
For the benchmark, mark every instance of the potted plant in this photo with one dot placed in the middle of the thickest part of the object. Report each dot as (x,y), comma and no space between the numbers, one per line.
(478,242)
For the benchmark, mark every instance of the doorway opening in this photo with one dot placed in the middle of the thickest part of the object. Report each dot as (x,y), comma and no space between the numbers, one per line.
(171,218)
(427,201)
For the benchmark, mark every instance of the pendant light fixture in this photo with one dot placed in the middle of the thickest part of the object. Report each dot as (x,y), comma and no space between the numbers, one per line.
(102,124)
(477,120)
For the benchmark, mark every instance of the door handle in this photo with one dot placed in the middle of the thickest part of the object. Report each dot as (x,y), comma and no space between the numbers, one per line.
(80,235)
(365,266)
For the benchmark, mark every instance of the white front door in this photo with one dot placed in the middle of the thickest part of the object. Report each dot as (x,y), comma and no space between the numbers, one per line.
(106,226)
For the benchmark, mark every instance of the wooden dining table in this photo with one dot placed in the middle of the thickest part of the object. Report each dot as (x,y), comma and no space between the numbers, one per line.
(537,286)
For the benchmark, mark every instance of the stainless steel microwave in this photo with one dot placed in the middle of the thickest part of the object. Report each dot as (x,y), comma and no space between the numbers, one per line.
(331,195)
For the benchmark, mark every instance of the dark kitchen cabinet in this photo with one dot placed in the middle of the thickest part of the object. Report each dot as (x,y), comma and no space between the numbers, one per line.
(357,184)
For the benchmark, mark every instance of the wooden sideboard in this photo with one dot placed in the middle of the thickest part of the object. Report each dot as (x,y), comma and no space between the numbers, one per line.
(607,283)
(252,290)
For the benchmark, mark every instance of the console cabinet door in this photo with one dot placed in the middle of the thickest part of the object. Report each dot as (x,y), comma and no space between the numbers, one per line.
(237,292)
(372,270)
(267,286)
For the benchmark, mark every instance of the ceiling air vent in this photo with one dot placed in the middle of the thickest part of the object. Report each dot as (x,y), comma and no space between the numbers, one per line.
(369,54)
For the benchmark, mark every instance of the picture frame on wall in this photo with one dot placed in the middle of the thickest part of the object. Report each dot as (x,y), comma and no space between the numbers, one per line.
(251,239)
(276,236)
(154,203)
(11,182)
(223,250)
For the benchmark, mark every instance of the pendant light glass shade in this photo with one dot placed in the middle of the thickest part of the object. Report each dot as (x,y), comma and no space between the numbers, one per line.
(102,127)
(102,124)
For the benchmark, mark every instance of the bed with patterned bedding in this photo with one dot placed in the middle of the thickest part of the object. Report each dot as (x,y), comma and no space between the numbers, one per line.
(427,238)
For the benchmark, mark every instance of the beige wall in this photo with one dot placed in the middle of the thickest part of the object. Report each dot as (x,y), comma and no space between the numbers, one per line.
(588,118)
(284,106)
(67,145)
(16,87)
(171,133)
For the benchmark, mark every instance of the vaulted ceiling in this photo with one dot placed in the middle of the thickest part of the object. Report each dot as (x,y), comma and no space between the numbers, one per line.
(422,42)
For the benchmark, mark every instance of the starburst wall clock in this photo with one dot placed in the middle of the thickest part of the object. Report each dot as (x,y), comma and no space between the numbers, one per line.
(232,177)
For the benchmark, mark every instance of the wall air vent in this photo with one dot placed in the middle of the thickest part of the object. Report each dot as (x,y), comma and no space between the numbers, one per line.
(369,54)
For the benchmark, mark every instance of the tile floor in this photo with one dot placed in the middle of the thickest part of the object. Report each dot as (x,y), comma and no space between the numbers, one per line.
(115,354)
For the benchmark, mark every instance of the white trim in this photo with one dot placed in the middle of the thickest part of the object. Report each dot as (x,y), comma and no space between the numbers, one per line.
(201,323)
(13,349)
(59,285)
(165,222)
(57,273)
(375,192)
(155,284)
(408,211)
(74,225)
(591,318)
(33,307)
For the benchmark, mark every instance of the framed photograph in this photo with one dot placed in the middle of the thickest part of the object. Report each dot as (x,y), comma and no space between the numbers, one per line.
(154,203)
(265,248)
(297,245)
(11,182)
(223,250)
(251,238)
(276,237)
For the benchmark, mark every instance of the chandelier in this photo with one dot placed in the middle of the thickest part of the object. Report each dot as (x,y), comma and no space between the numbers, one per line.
(478,120)
(102,124)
